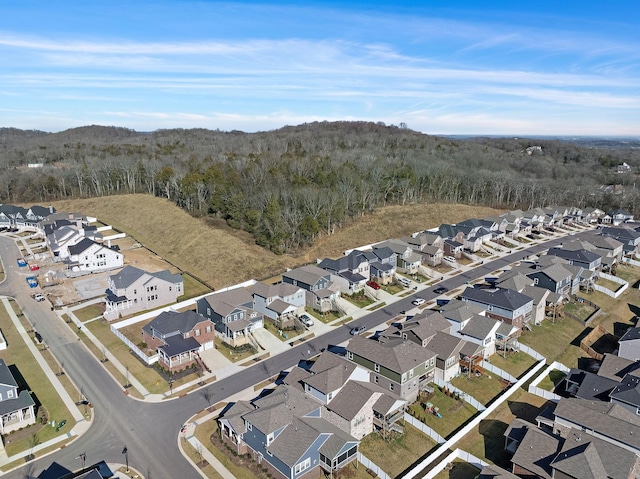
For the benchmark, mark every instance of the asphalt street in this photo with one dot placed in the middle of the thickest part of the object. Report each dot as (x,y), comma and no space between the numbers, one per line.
(150,430)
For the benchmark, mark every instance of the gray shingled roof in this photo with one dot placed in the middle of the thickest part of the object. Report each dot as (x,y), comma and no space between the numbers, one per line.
(399,358)
(330,379)
(582,256)
(614,367)
(459,311)
(445,345)
(536,451)
(5,375)
(502,298)
(556,272)
(225,302)
(492,471)
(479,327)
(175,345)
(272,290)
(233,415)
(309,274)
(83,245)
(630,334)
(170,322)
(628,390)
(350,400)
(129,274)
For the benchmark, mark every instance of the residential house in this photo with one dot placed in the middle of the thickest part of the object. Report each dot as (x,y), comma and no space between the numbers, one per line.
(233,314)
(178,337)
(486,228)
(612,246)
(592,215)
(354,404)
(383,264)
(453,248)
(534,450)
(430,246)
(420,329)
(451,351)
(459,312)
(517,281)
(620,216)
(555,278)
(402,367)
(90,257)
(408,261)
(281,302)
(627,393)
(629,238)
(351,270)
(321,293)
(17,409)
(502,304)
(133,290)
(12,216)
(582,257)
(482,331)
(587,385)
(629,344)
(288,433)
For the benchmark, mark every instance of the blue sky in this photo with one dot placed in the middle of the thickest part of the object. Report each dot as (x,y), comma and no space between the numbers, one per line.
(441,67)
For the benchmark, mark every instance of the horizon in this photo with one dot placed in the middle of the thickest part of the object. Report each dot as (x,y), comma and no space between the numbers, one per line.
(567,69)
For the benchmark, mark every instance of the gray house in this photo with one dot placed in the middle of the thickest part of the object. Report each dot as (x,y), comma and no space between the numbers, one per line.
(288,433)
(133,290)
(583,258)
(402,367)
(17,409)
(322,293)
(354,268)
(232,314)
(629,344)
(555,278)
(629,238)
(502,304)
(281,302)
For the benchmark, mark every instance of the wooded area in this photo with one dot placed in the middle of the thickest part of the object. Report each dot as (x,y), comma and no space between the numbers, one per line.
(286,186)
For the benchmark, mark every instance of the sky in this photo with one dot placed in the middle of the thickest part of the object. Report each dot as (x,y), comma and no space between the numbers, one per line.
(441,67)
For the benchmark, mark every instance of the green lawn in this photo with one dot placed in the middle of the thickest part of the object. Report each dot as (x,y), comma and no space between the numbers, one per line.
(516,363)
(326,318)
(459,470)
(556,341)
(610,285)
(89,312)
(454,412)
(361,300)
(484,387)
(392,288)
(552,380)
(580,310)
(19,356)
(396,454)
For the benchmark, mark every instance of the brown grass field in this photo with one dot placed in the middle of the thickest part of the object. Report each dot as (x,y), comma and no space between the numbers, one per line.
(222,256)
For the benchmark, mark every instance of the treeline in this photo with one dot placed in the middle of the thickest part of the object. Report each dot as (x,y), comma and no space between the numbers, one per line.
(288,186)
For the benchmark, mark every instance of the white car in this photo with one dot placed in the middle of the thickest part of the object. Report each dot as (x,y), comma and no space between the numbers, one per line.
(38,297)
(306,320)
(418,301)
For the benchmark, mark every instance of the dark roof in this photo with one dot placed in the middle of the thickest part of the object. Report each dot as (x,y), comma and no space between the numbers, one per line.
(5,375)
(592,386)
(23,400)
(348,262)
(352,277)
(627,391)
(614,367)
(500,297)
(630,335)
(492,471)
(581,255)
(384,252)
(171,322)
(177,345)
(81,246)
(398,357)
(114,298)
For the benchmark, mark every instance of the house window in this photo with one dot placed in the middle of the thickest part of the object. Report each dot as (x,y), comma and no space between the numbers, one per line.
(303,466)
(535,281)
(404,377)
(208,311)
(9,393)
(487,341)
(135,291)
(269,439)
(208,329)
(375,379)
(249,427)
(329,396)
(433,361)
(376,368)
(390,386)
(411,373)
(197,332)
(349,355)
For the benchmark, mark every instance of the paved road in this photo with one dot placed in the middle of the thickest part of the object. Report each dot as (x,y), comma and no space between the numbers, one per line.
(150,430)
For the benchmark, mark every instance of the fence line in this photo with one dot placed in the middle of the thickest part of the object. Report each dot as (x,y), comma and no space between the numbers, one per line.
(534,389)
(531,352)
(456,454)
(631,261)
(149,360)
(472,424)
(424,428)
(372,466)
(496,370)
(463,395)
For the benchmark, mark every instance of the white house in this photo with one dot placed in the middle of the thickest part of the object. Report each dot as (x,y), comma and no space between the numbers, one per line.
(89,256)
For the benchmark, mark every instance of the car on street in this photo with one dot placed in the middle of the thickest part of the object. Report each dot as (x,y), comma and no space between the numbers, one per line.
(418,301)
(306,320)
(440,290)
(373,285)
(357,330)
(38,297)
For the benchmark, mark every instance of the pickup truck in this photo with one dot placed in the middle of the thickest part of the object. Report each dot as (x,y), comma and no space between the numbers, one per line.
(32,281)
(22,262)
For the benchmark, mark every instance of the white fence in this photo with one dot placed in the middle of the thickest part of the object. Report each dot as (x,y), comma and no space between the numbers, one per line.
(534,389)
(631,261)
(424,428)
(496,370)
(417,470)
(457,454)
(372,466)
(614,279)
(149,360)
(463,395)
(531,352)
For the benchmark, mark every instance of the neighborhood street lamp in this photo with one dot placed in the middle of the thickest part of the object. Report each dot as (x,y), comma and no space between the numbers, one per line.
(126,457)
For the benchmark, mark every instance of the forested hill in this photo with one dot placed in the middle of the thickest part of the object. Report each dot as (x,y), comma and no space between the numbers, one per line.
(287,186)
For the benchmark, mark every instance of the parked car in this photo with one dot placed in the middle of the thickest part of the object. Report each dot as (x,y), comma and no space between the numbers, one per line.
(418,301)
(38,297)
(357,330)
(22,262)
(440,290)
(306,320)
(373,284)
(34,267)
(451,259)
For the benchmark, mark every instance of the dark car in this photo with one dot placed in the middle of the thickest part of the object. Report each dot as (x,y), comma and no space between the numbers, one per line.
(441,290)
(357,330)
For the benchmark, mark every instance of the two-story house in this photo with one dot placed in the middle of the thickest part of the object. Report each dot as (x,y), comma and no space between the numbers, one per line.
(133,290)
(554,277)
(287,432)
(89,257)
(383,264)
(350,271)
(407,260)
(321,292)
(430,246)
(630,238)
(17,408)
(502,304)
(233,314)
(178,337)
(584,258)
(281,302)
(402,367)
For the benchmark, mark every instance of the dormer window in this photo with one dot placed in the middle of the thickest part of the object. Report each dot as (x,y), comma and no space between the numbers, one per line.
(376,367)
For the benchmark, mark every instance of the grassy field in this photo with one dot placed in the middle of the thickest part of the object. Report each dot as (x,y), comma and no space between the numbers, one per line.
(555,341)
(552,380)
(484,387)
(20,360)
(188,243)
(454,412)
(396,454)
(516,363)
